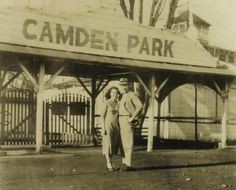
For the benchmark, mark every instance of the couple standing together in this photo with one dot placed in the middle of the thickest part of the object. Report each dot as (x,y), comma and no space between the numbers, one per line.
(118,120)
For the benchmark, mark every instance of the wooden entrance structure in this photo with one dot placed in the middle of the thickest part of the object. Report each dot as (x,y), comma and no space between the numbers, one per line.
(101,48)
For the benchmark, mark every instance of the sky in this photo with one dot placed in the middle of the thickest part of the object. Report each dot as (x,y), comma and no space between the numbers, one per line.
(220,14)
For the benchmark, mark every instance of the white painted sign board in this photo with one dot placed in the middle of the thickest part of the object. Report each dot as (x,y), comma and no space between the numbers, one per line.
(98,33)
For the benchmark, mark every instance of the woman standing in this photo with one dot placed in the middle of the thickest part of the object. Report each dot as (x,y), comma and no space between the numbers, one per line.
(110,126)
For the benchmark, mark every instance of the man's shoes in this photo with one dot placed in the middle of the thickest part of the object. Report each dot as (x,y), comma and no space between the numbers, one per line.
(111,169)
(125,168)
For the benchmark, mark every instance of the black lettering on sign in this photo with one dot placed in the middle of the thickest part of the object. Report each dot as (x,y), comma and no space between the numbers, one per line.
(144,46)
(97,39)
(168,48)
(46,32)
(81,37)
(133,41)
(60,35)
(26,33)
(156,46)
(112,41)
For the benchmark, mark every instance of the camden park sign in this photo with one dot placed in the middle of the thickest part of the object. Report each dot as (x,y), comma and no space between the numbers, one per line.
(99,34)
(95,39)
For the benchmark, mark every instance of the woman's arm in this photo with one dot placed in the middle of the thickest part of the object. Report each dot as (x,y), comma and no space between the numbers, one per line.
(103,117)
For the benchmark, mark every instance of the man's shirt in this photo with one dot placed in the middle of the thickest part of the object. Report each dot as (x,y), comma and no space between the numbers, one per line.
(129,104)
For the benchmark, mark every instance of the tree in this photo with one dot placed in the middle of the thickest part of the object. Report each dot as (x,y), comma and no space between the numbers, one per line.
(170,19)
(156,10)
(129,14)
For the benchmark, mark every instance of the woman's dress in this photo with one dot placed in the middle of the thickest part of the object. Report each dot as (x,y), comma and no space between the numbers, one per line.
(111,139)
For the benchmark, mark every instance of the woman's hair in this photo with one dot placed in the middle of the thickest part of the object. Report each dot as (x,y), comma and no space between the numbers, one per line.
(108,92)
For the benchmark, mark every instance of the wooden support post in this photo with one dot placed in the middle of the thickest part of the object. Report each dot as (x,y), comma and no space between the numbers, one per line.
(165,113)
(158,120)
(195,112)
(39,110)
(47,123)
(2,122)
(151,117)
(225,97)
(93,101)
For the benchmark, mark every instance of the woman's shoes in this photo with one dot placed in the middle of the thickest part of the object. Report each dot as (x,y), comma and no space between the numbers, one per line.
(112,169)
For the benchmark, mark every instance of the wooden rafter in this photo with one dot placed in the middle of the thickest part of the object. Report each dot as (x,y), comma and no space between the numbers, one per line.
(3,88)
(50,81)
(216,85)
(102,87)
(28,75)
(85,87)
(99,84)
(162,86)
(142,83)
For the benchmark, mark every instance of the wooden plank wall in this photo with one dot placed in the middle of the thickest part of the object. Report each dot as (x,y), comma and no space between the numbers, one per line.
(179,122)
(67,129)
(17,121)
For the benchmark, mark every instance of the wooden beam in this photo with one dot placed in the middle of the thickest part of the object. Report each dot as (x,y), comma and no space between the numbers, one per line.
(28,75)
(103,86)
(218,90)
(162,85)
(224,116)
(50,81)
(39,109)
(117,62)
(196,113)
(4,87)
(142,83)
(83,85)
(151,116)
(99,84)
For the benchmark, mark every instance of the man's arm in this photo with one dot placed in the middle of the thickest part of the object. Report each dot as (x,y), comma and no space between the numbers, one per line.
(138,106)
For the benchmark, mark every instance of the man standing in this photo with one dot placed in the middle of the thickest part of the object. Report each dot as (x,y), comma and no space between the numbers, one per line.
(130,108)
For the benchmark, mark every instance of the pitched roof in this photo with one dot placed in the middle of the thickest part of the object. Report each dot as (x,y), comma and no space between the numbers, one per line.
(184,16)
(188,56)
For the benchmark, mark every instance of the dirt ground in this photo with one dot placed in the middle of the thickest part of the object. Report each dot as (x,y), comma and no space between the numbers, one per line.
(85,170)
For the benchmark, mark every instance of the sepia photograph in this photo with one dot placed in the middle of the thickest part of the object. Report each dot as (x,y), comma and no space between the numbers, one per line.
(117,94)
